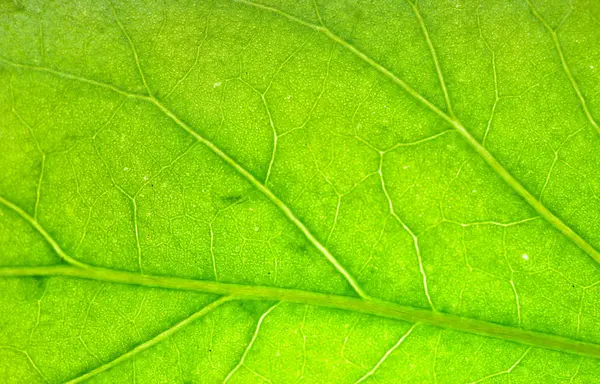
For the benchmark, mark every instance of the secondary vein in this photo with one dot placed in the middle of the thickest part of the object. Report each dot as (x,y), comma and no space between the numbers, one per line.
(36,225)
(482,151)
(268,193)
(150,343)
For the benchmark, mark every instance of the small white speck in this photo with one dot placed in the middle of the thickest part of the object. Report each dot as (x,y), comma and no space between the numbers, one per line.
(289,97)
(525,257)
(406,167)
(126,169)
(255,229)
(251,209)
(215,85)
(148,214)
(591,66)
(145,178)
(474,191)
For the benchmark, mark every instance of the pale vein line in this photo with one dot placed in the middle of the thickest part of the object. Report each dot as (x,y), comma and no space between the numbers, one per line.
(198,48)
(407,229)
(49,239)
(212,250)
(514,288)
(374,307)
(496,92)
(335,38)
(420,141)
(133,49)
(507,371)
(137,235)
(434,56)
(303,344)
(31,362)
(565,67)
(268,193)
(38,192)
(70,76)
(386,355)
(274,199)
(264,101)
(274,151)
(247,350)
(150,343)
(476,145)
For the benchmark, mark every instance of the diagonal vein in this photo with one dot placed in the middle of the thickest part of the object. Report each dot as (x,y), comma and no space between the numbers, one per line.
(386,355)
(250,344)
(38,227)
(150,343)
(70,76)
(434,56)
(132,47)
(565,67)
(268,193)
(482,151)
(351,304)
(244,172)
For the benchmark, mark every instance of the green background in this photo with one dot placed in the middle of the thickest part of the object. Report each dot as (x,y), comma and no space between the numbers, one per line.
(300,191)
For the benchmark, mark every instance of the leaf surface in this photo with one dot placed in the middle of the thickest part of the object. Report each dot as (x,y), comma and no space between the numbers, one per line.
(285,192)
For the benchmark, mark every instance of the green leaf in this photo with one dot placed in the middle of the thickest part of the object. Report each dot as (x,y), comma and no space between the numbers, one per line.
(300,191)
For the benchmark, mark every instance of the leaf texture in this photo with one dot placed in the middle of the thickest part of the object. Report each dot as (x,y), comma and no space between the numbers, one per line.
(313,191)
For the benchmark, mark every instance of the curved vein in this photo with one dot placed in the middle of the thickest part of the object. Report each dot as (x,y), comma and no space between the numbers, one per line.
(352,304)
(565,67)
(268,193)
(69,76)
(150,343)
(132,47)
(434,56)
(250,344)
(386,355)
(487,156)
(36,225)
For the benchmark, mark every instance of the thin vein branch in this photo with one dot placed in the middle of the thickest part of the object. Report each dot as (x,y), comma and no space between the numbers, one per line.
(133,49)
(434,56)
(408,230)
(150,343)
(565,67)
(38,227)
(386,355)
(269,194)
(250,344)
(69,76)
